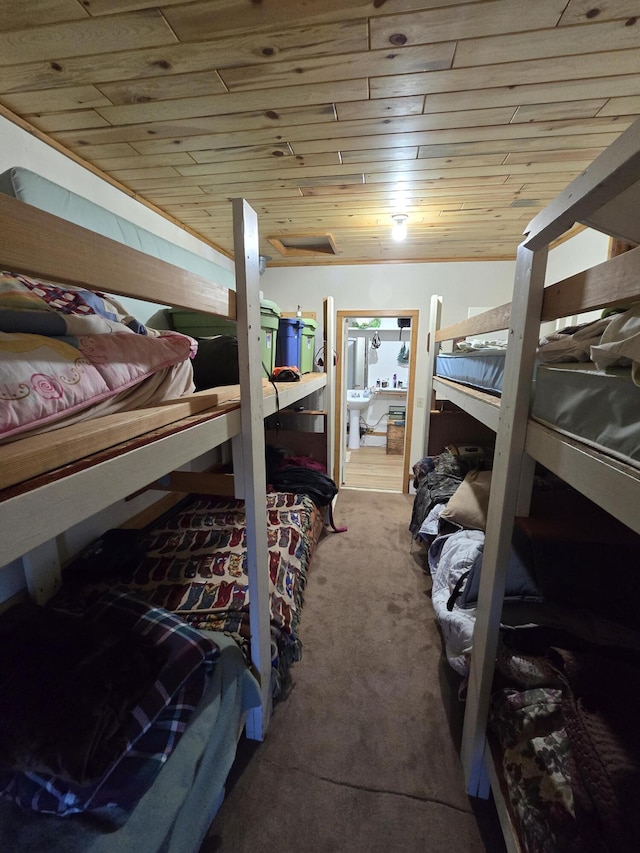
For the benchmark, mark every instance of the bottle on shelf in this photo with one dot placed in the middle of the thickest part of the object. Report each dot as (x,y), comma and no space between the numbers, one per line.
(395,380)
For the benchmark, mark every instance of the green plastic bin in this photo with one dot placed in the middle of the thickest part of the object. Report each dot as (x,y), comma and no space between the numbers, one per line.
(200,325)
(307,345)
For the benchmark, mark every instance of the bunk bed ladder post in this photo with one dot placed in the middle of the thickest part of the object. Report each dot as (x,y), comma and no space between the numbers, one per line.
(252,475)
(435,313)
(506,494)
(330,370)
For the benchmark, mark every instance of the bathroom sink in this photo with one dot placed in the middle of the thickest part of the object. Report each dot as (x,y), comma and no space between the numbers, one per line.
(357,403)
(358,400)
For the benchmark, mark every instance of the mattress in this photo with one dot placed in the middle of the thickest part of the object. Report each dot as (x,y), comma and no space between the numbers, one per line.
(482,369)
(598,407)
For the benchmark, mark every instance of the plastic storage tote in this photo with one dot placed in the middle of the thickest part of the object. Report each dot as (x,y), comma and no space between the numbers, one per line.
(288,345)
(200,325)
(307,345)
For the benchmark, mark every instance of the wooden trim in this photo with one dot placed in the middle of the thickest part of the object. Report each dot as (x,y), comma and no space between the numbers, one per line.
(435,314)
(151,513)
(413,314)
(602,185)
(505,494)
(252,474)
(332,373)
(304,251)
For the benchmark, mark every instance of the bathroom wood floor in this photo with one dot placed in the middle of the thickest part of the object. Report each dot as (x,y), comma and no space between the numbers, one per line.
(373,468)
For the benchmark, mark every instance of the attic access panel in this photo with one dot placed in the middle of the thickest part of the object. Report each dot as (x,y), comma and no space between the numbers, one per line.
(303,245)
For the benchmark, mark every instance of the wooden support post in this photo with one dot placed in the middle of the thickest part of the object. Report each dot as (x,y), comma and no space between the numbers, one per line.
(505,494)
(253,476)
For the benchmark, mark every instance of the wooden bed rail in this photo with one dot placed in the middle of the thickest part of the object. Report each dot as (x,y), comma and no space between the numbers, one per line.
(489,321)
(40,244)
(613,282)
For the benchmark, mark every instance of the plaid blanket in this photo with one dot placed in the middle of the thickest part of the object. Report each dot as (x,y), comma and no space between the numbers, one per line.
(151,729)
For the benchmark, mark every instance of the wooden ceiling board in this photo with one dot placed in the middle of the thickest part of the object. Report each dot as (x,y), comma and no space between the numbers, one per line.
(601,64)
(288,96)
(74,120)
(409,60)
(330,115)
(206,125)
(193,21)
(481,19)
(535,93)
(581,11)
(614,35)
(17,16)
(96,36)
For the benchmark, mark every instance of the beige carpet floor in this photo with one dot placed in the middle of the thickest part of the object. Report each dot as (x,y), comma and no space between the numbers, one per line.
(362,756)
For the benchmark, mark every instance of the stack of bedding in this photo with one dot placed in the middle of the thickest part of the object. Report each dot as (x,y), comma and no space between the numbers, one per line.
(568,661)
(556,556)
(565,735)
(68,354)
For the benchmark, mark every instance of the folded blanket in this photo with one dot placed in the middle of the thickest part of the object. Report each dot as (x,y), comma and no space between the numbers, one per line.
(106,725)
(572,343)
(66,687)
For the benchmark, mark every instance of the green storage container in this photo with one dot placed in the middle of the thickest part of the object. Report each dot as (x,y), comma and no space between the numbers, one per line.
(307,345)
(200,325)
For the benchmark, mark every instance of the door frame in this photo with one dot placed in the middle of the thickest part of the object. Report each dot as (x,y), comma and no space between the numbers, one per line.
(340,408)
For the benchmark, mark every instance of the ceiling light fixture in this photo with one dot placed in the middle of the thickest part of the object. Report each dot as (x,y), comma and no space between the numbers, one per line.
(399,230)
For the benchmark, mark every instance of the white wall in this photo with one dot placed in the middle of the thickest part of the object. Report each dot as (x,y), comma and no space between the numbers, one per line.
(18,148)
(581,252)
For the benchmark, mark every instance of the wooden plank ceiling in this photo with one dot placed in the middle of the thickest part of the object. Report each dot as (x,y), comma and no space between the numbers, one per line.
(329,116)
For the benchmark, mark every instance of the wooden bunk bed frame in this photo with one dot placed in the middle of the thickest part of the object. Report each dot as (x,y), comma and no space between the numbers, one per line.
(607,197)
(65,476)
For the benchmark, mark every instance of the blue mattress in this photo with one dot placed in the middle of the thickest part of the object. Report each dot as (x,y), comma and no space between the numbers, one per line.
(482,369)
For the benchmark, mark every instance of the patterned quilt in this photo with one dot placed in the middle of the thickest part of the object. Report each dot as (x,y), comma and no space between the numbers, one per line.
(194,564)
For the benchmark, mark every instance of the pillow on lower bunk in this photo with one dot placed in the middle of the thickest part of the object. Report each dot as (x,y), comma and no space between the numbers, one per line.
(468,505)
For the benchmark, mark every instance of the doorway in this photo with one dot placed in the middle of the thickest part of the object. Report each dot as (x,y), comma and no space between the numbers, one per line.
(389,337)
